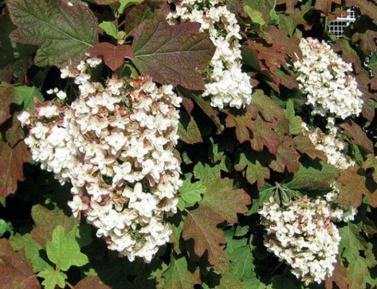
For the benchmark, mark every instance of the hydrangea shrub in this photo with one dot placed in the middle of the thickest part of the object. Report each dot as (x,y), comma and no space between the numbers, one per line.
(187,144)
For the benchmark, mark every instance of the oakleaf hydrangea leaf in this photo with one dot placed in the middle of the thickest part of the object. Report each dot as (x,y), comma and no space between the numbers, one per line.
(47,220)
(14,270)
(200,225)
(92,282)
(32,251)
(359,137)
(64,250)
(178,276)
(353,184)
(63,32)
(11,169)
(256,171)
(113,56)
(172,54)
(25,95)
(224,200)
(15,273)
(188,129)
(190,192)
(6,99)
(52,278)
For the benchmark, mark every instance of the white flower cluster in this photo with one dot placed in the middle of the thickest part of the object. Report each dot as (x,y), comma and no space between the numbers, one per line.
(226,84)
(115,145)
(301,233)
(340,212)
(332,144)
(325,78)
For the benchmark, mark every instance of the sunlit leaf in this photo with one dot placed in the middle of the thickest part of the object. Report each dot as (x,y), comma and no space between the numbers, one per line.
(172,54)
(63,32)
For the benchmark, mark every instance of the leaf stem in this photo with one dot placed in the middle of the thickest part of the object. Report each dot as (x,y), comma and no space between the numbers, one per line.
(69,285)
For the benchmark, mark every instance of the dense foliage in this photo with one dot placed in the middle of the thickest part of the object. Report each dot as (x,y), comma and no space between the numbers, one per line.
(187,144)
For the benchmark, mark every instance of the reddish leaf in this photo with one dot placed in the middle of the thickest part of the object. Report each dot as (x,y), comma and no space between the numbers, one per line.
(136,16)
(305,146)
(271,57)
(354,184)
(113,56)
(363,81)
(290,5)
(15,133)
(15,273)
(348,53)
(281,36)
(6,248)
(366,7)
(201,225)
(285,78)
(270,110)
(6,99)
(366,41)
(255,172)
(339,277)
(360,138)
(241,120)
(325,5)
(371,163)
(299,16)
(224,200)
(47,221)
(172,54)
(12,160)
(92,282)
(286,158)
(263,135)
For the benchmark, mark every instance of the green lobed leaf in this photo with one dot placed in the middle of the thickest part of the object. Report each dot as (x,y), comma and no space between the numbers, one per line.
(63,32)
(52,278)
(47,220)
(352,242)
(242,264)
(313,176)
(64,250)
(357,270)
(26,95)
(110,28)
(191,193)
(32,251)
(229,281)
(126,3)
(295,122)
(180,276)
(172,54)
(5,227)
